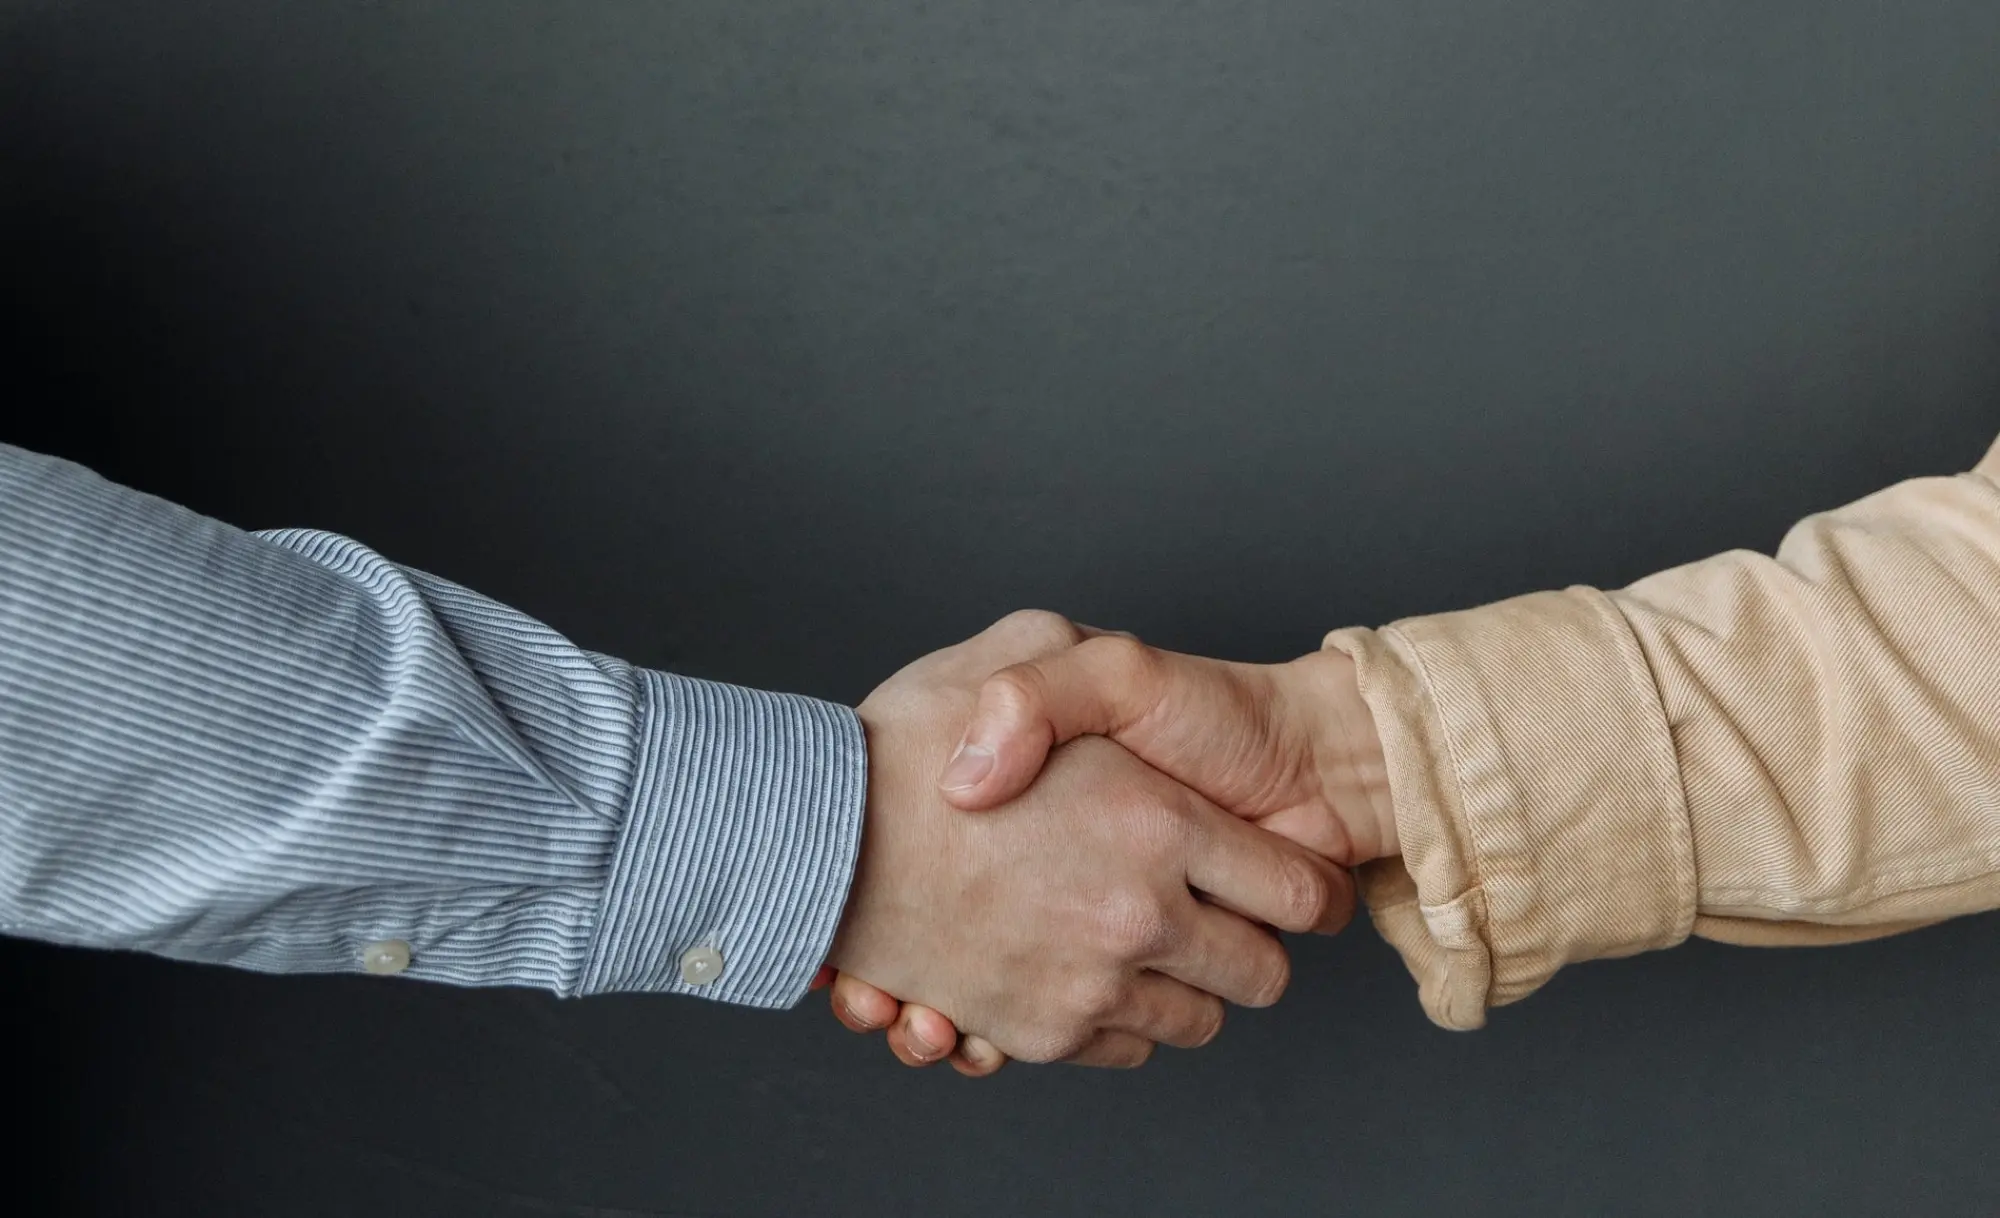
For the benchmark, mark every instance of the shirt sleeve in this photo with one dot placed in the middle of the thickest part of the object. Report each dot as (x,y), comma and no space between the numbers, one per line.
(1762,750)
(276,750)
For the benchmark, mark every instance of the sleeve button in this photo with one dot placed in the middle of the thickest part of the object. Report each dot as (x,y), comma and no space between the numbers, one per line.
(386,958)
(700,965)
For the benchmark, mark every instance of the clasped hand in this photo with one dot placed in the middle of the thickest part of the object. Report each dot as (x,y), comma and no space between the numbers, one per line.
(1078,847)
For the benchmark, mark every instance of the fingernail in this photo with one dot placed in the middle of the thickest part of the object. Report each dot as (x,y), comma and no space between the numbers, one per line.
(969,767)
(923,1050)
(977,1051)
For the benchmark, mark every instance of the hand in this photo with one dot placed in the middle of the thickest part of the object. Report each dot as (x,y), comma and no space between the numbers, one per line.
(1063,925)
(1291,747)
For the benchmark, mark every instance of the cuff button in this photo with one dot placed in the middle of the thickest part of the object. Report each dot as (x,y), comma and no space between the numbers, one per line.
(386,958)
(700,965)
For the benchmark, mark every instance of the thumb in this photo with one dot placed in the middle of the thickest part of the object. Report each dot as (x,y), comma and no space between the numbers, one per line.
(1109,685)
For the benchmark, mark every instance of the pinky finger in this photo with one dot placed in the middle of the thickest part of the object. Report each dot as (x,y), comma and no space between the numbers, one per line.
(977,1058)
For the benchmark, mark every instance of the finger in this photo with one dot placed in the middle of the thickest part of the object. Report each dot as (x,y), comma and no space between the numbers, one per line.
(1311,827)
(1263,876)
(1224,954)
(1169,1012)
(927,1032)
(914,1048)
(861,1006)
(1163,706)
(1025,634)
(1338,914)
(823,978)
(976,1057)
(1114,1050)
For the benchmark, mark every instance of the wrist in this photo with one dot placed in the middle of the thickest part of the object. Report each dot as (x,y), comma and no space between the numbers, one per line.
(1346,750)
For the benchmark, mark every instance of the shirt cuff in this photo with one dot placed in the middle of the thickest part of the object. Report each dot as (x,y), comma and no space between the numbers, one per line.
(1537,797)
(740,838)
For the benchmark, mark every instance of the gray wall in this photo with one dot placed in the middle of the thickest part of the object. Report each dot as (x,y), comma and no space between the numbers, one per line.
(780,341)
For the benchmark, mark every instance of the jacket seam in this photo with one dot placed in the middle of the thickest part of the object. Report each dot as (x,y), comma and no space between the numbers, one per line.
(1687,869)
(1465,831)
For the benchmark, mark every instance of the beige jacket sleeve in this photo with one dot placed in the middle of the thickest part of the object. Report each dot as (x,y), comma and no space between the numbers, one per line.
(1791,750)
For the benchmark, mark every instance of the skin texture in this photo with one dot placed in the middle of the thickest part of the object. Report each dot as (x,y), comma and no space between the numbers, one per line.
(1290,748)
(1062,923)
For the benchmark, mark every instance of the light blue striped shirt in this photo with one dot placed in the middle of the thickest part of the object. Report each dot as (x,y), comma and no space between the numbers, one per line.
(271,750)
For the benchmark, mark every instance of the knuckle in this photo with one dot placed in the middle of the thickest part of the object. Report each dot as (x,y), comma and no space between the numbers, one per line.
(1308,894)
(1015,692)
(1094,998)
(1134,663)
(1134,926)
(1164,937)
(1273,975)
(1040,628)
(1208,1027)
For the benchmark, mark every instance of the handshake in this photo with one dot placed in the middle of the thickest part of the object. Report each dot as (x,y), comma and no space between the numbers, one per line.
(1024,893)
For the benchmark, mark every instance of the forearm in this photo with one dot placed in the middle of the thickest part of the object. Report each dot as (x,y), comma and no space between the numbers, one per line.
(1791,749)
(273,751)
(1836,716)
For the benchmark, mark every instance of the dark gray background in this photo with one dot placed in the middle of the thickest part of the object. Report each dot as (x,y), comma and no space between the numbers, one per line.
(780,341)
